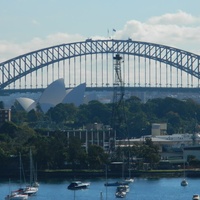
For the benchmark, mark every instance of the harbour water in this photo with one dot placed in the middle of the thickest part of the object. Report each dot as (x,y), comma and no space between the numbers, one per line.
(141,189)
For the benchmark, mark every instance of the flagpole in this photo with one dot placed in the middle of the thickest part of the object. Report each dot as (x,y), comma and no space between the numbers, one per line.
(108,35)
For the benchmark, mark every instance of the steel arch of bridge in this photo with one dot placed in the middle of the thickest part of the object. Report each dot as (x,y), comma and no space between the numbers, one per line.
(18,67)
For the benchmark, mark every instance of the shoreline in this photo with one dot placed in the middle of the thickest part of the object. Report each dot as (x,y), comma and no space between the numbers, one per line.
(118,174)
(193,173)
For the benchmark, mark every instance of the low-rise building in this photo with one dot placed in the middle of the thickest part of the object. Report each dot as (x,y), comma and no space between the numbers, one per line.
(5,115)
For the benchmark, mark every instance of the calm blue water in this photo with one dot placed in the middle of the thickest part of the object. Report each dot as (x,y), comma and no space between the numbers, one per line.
(141,189)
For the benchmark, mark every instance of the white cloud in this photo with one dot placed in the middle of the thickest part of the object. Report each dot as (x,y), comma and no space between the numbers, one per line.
(9,50)
(179,30)
(179,18)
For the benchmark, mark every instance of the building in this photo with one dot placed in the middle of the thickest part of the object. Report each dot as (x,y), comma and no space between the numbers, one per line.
(192,151)
(173,148)
(95,134)
(54,94)
(159,129)
(5,115)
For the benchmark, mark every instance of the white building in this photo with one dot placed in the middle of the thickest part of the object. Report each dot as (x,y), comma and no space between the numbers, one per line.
(54,94)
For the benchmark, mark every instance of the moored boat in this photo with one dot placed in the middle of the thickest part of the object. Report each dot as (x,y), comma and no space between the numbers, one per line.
(117,183)
(120,194)
(33,187)
(121,191)
(195,197)
(184,182)
(30,190)
(77,185)
(129,180)
(16,196)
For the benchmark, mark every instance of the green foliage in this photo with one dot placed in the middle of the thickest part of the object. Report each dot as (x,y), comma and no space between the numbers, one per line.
(62,113)
(76,154)
(96,157)
(94,112)
(9,128)
(52,150)
(180,116)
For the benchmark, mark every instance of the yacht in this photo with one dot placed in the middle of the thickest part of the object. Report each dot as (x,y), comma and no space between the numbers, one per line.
(120,194)
(121,191)
(76,185)
(29,190)
(195,197)
(33,187)
(129,180)
(16,196)
(184,182)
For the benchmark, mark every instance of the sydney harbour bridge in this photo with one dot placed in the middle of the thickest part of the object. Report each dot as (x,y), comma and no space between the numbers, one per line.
(145,66)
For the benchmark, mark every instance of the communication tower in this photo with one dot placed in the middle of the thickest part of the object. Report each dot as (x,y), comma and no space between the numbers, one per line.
(119,124)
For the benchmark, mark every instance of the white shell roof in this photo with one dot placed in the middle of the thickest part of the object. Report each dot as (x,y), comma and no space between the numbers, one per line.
(54,93)
(26,103)
(76,95)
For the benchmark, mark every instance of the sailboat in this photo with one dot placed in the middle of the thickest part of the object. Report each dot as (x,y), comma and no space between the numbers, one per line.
(35,181)
(117,183)
(17,194)
(184,181)
(129,179)
(31,189)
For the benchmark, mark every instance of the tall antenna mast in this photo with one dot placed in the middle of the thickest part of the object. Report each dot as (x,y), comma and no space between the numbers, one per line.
(118,113)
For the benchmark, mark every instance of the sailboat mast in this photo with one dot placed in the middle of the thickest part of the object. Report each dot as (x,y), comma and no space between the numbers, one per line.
(31,168)
(20,169)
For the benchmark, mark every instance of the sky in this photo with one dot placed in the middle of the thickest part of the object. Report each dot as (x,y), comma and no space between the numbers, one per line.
(27,25)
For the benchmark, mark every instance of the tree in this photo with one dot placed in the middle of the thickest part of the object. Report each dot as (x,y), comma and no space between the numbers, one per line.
(98,111)
(149,152)
(76,153)
(174,120)
(62,113)
(96,157)
(32,116)
(9,128)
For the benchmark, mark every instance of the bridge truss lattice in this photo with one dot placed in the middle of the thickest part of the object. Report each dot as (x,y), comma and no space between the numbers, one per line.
(90,61)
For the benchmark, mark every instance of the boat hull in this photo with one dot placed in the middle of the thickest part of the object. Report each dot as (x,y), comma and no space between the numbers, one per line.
(16,197)
(78,185)
(30,191)
(116,183)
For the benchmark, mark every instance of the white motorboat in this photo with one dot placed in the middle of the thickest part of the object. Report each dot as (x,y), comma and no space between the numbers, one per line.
(77,185)
(195,197)
(129,180)
(124,188)
(121,191)
(120,194)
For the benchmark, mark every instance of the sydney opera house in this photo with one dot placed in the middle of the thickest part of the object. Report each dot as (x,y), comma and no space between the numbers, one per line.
(54,94)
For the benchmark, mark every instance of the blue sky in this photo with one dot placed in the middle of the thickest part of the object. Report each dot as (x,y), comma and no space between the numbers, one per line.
(28,25)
